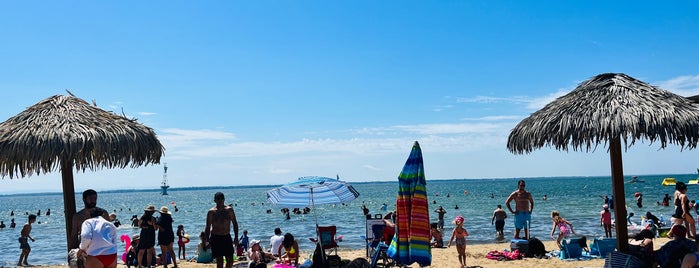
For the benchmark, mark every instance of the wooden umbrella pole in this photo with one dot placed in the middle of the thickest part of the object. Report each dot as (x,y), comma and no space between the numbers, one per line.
(622,235)
(68,198)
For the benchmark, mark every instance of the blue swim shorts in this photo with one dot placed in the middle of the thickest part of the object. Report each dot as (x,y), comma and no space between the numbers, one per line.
(521,219)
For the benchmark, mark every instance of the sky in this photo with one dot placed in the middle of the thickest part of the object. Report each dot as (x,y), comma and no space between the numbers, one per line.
(264,92)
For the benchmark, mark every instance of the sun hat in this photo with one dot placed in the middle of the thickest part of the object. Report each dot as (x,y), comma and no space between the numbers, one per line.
(164,210)
(149,208)
(135,237)
(253,242)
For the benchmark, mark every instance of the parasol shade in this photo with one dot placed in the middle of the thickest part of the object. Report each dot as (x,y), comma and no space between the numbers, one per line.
(412,240)
(65,132)
(610,108)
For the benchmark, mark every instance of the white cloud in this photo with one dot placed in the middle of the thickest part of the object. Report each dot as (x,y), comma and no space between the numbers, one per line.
(537,103)
(687,85)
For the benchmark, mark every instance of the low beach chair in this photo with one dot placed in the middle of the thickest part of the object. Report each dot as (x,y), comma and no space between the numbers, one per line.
(327,238)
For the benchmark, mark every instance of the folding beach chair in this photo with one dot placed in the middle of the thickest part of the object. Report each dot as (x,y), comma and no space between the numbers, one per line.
(327,238)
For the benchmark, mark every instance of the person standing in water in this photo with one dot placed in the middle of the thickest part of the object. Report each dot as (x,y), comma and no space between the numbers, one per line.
(524,206)
(498,219)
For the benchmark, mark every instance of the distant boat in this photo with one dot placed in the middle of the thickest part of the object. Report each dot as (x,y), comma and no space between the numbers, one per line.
(163,185)
(635,179)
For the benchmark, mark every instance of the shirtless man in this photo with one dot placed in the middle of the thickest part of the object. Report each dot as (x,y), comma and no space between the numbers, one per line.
(498,219)
(524,205)
(90,201)
(218,231)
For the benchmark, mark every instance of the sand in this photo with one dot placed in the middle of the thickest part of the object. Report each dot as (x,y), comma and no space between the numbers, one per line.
(448,258)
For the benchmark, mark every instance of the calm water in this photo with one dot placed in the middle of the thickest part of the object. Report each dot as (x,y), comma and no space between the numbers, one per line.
(577,198)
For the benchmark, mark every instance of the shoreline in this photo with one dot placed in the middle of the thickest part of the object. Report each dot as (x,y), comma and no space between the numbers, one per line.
(447,257)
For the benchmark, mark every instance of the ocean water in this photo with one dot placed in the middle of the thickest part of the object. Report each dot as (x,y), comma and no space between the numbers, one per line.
(576,198)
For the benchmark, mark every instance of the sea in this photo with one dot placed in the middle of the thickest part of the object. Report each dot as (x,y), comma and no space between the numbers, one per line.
(578,199)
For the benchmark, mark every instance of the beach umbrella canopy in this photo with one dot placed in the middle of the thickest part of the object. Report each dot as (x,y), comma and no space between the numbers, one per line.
(311,191)
(412,240)
(65,132)
(610,108)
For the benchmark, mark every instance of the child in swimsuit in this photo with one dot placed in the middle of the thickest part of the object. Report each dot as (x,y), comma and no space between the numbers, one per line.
(460,235)
(565,228)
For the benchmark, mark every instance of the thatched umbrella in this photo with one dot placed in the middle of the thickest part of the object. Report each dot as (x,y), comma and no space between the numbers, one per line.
(65,132)
(607,109)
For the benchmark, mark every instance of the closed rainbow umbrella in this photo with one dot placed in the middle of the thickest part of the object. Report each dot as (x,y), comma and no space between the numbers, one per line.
(412,241)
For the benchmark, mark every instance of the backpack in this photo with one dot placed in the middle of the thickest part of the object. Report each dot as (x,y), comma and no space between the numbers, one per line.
(536,248)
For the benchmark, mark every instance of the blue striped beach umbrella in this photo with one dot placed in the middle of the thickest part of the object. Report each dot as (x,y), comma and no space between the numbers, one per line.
(311,191)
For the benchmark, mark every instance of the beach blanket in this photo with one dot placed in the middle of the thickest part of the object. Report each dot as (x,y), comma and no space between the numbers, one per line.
(504,255)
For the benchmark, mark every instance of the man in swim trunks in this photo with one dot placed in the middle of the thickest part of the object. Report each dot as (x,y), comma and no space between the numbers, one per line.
(90,201)
(218,231)
(440,217)
(498,219)
(524,205)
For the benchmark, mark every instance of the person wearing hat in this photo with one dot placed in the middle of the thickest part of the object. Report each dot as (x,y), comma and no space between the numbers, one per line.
(166,236)
(132,252)
(606,220)
(258,258)
(147,243)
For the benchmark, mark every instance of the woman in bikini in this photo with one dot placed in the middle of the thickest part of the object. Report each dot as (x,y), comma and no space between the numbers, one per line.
(460,234)
(292,250)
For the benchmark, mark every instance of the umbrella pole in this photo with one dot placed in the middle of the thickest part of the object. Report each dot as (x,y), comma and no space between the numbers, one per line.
(68,199)
(622,241)
(315,216)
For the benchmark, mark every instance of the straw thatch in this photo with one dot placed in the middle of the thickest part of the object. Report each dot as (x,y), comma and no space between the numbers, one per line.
(68,128)
(609,105)
(610,108)
(65,132)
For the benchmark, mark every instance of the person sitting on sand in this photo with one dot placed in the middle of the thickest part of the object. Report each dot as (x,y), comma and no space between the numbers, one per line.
(565,228)
(645,246)
(258,257)
(203,250)
(437,236)
(672,252)
(292,250)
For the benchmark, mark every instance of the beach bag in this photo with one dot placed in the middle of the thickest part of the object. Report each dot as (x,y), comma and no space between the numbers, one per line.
(536,248)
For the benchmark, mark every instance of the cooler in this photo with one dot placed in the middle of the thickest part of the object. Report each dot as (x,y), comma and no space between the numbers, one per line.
(521,244)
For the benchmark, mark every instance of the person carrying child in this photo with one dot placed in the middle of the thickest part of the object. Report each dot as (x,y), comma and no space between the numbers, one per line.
(460,235)
(565,228)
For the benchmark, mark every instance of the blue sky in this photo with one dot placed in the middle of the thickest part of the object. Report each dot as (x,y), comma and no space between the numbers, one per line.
(263,92)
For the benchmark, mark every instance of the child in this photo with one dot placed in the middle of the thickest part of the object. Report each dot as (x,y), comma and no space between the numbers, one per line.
(606,221)
(23,243)
(564,227)
(181,254)
(243,246)
(437,236)
(460,234)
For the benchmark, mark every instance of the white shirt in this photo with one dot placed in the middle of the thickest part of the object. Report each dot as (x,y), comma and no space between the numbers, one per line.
(275,241)
(98,237)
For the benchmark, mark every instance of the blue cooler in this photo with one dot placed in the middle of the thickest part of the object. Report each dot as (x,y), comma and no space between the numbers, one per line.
(522,245)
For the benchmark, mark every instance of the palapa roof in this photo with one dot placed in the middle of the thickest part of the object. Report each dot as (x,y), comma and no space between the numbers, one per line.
(67,128)
(606,106)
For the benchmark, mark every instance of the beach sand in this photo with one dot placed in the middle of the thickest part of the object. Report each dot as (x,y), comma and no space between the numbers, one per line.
(448,258)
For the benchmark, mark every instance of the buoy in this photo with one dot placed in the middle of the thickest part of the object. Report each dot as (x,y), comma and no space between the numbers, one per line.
(173,202)
(465,191)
